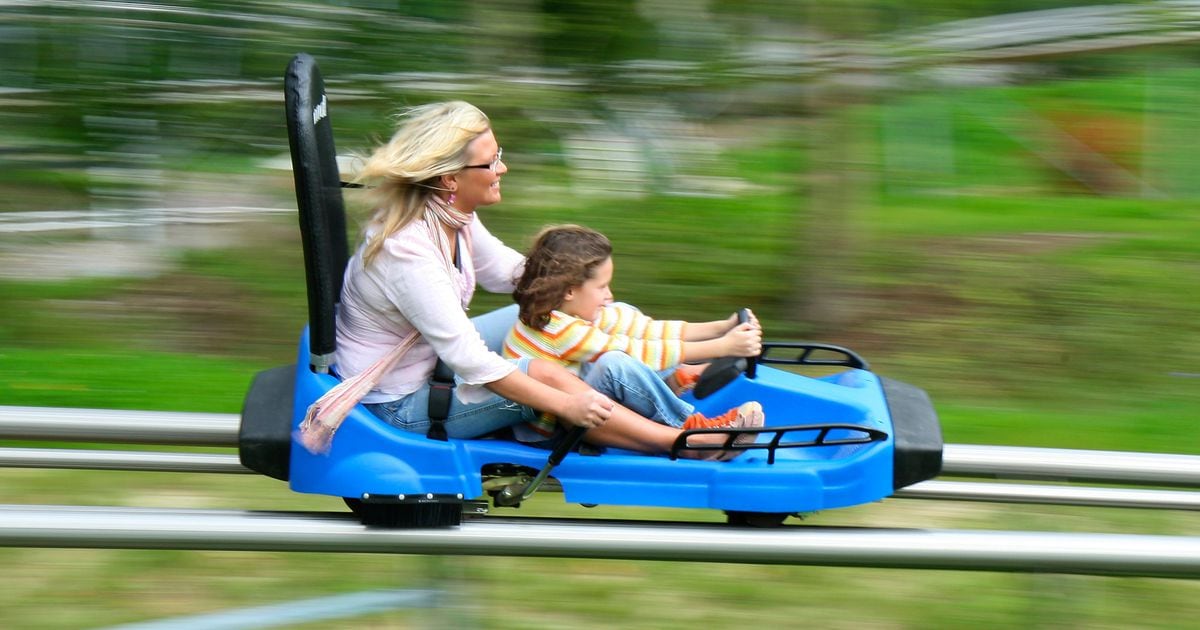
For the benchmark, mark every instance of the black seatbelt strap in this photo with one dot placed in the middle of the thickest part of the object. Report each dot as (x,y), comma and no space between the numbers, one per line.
(441,388)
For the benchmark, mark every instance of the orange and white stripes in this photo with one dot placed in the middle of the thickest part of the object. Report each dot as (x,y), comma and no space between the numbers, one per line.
(570,341)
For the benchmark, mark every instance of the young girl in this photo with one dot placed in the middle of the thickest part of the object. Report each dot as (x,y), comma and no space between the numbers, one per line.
(567,315)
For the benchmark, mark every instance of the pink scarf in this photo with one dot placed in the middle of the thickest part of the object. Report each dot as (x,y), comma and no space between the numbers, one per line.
(438,213)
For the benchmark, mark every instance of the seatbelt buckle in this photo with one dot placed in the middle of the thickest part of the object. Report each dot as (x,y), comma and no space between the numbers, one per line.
(439,399)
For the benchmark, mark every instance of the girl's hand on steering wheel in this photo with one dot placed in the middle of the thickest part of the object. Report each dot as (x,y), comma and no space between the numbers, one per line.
(753,320)
(745,340)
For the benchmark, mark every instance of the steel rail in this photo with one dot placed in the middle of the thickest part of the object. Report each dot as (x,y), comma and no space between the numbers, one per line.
(119,425)
(95,459)
(1046,494)
(936,490)
(1013,462)
(959,460)
(964,550)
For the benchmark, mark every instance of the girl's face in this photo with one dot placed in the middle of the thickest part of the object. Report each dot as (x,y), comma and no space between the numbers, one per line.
(477,185)
(585,300)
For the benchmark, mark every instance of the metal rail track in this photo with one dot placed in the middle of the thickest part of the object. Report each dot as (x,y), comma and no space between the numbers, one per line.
(937,490)
(959,460)
(202,429)
(975,550)
(118,426)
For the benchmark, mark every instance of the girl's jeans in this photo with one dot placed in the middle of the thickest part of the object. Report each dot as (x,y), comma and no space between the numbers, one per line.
(638,387)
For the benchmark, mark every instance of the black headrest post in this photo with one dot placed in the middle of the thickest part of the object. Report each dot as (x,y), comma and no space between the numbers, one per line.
(319,199)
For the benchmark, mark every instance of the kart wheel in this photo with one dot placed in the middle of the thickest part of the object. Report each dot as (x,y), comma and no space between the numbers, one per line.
(756,519)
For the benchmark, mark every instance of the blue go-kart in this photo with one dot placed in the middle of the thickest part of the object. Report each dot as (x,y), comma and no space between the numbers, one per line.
(840,439)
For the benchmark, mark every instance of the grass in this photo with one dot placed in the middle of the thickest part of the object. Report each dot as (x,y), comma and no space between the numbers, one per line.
(124,380)
(1033,314)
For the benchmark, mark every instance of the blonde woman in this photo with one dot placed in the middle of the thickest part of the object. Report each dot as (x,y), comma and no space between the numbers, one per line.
(422,255)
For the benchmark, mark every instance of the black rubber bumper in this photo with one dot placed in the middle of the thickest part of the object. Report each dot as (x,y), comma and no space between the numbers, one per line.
(917,433)
(265,433)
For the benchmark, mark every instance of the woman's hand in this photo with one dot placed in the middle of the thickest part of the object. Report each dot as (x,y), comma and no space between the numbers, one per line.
(745,340)
(588,409)
(552,388)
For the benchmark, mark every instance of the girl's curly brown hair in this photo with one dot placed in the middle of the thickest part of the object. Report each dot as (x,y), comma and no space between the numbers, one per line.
(562,257)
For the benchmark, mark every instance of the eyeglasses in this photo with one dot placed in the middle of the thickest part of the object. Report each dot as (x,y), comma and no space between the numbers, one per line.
(490,165)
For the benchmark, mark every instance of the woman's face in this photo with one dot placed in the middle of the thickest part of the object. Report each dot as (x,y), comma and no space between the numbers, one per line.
(477,185)
(585,300)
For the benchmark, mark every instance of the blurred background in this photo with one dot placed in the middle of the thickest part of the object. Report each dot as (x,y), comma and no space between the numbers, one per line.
(994,200)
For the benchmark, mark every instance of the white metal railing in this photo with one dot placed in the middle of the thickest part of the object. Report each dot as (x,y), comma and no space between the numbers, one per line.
(141,528)
(959,460)
(976,550)
(119,426)
(149,461)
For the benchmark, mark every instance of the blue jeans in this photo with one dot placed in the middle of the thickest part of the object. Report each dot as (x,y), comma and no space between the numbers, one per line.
(615,374)
(464,420)
(638,387)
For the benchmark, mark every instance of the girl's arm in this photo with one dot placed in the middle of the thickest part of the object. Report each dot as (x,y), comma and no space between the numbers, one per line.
(720,338)
(744,340)
(577,341)
(581,342)
(700,331)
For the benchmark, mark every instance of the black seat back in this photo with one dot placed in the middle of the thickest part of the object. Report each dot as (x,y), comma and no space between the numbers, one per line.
(319,198)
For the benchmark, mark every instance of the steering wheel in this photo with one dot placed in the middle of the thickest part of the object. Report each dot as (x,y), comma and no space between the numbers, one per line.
(720,372)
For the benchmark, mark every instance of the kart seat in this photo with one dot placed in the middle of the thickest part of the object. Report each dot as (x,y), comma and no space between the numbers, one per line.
(319,199)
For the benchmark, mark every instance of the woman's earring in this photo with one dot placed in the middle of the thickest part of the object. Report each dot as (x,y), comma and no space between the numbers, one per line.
(452,198)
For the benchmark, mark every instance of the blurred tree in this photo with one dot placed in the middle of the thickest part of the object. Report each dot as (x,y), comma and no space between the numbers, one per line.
(595,34)
(837,178)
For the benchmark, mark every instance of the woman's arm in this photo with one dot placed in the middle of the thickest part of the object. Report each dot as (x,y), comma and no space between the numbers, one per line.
(497,266)
(412,276)
(584,407)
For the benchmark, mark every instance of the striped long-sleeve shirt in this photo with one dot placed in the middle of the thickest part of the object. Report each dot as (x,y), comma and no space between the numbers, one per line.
(571,342)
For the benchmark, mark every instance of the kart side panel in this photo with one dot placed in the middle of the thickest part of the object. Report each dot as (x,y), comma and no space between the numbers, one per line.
(370,456)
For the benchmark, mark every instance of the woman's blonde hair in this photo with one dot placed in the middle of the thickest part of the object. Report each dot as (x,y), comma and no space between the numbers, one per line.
(430,141)
(562,257)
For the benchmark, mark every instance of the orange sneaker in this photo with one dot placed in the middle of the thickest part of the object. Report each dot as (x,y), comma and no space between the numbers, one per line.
(698,421)
(746,416)
(684,381)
